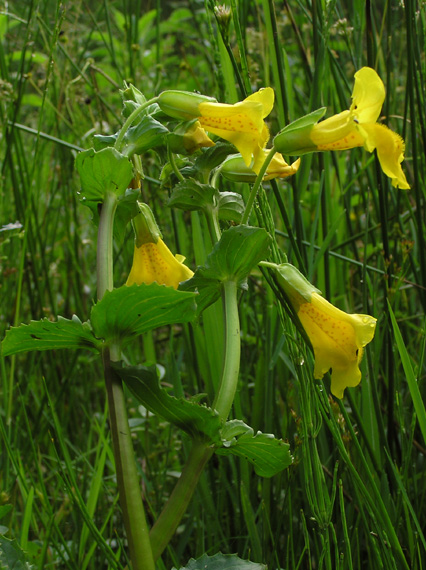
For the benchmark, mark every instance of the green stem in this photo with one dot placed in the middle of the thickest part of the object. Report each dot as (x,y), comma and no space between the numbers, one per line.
(173,164)
(104,262)
(125,466)
(213,225)
(127,476)
(172,514)
(231,364)
(200,453)
(130,120)
(256,185)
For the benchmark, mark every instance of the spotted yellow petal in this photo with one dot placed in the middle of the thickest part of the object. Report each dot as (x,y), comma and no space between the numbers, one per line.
(390,151)
(278,168)
(368,95)
(265,97)
(338,340)
(339,132)
(154,262)
(241,124)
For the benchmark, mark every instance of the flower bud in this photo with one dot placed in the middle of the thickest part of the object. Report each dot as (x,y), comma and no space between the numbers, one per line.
(188,137)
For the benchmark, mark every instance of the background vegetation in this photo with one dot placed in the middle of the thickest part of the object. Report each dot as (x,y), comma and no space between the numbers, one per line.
(359,470)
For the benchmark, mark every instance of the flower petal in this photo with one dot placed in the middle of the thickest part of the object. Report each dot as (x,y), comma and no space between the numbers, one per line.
(368,95)
(337,339)
(246,116)
(155,262)
(338,132)
(390,150)
(278,168)
(266,97)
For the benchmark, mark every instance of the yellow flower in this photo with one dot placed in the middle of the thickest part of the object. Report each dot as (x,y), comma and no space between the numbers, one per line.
(241,124)
(188,137)
(338,338)
(155,262)
(152,259)
(235,169)
(352,128)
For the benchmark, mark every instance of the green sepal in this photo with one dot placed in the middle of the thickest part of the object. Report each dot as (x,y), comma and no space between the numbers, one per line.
(49,335)
(182,104)
(292,281)
(126,312)
(197,420)
(268,455)
(222,562)
(106,171)
(294,139)
(12,557)
(233,257)
(132,99)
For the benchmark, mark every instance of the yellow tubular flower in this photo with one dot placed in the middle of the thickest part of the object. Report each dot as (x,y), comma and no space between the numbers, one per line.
(358,127)
(338,338)
(154,262)
(235,169)
(241,124)
(152,259)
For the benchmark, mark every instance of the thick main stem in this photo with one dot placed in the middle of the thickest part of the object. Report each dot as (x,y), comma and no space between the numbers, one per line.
(231,363)
(125,466)
(167,523)
(200,453)
(127,476)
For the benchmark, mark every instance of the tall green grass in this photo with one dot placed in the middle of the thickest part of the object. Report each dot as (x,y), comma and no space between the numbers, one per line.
(355,497)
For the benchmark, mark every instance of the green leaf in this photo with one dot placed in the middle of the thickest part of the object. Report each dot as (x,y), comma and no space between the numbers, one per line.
(192,195)
(233,257)
(147,134)
(268,455)
(103,172)
(130,311)
(212,157)
(12,557)
(222,562)
(231,206)
(196,420)
(48,335)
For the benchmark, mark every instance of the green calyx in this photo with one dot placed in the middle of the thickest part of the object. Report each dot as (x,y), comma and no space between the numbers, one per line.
(295,139)
(234,169)
(182,104)
(145,226)
(293,283)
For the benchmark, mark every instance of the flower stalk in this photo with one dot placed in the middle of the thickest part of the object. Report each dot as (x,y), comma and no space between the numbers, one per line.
(127,477)
(257,184)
